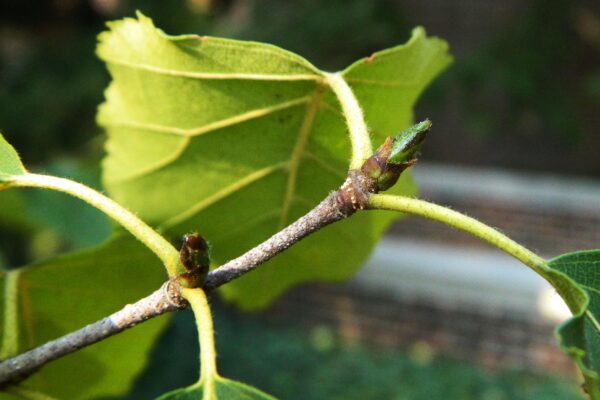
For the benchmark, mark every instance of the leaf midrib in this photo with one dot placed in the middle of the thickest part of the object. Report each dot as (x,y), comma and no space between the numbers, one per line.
(314,100)
(296,156)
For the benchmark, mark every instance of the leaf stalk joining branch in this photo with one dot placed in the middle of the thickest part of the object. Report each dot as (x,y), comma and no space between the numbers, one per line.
(208,355)
(357,127)
(138,228)
(461,222)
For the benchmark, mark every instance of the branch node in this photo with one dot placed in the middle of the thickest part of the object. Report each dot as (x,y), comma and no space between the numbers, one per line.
(172,293)
(354,193)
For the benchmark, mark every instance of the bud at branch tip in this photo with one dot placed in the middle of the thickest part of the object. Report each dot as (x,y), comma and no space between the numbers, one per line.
(395,155)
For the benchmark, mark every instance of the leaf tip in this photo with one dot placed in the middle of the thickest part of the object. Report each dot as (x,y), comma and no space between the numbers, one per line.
(126,29)
(10,162)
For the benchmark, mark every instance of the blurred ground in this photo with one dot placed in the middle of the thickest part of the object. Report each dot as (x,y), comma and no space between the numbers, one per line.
(293,362)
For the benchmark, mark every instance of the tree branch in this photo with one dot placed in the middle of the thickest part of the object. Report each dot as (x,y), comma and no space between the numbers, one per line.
(167,298)
(378,172)
(353,195)
(338,205)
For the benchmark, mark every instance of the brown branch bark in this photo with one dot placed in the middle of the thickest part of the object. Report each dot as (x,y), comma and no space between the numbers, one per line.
(352,196)
(163,300)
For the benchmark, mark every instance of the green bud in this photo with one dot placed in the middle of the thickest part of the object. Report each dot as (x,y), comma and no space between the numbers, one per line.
(408,142)
(194,252)
(387,180)
(195,257)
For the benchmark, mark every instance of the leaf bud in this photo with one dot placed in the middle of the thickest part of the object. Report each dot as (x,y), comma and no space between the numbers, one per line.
(194,255)
(395,155)
(408,143)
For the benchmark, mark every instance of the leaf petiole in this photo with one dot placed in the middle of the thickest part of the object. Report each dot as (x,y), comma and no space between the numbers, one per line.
(10,339)
(208,366)
(462,222)
(138,228)
(359,133)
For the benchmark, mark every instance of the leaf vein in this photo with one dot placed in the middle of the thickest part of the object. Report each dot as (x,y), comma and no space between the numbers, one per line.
(272,52)
(593,320)
(296,156)
(326,166)
(189,133)
(212,75)
(212,126)
(274,214)
(377,82)
(591,289)
(158,165)
(223,193)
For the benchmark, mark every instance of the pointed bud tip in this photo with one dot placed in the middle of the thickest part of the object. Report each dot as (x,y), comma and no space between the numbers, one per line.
(424,125)
(408,142)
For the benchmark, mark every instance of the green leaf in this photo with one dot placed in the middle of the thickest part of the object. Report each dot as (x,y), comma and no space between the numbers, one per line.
(58,296)
(226,390)
(580,335)
(10,163)
(388,83)
(238,139)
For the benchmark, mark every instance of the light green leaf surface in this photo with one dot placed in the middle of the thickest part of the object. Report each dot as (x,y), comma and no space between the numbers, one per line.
(44,301)
(580,335)
(238,139)
(226,390)
(388,83)
(10,163)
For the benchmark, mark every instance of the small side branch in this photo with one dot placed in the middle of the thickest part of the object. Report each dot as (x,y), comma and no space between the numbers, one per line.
(163,300)
(336,206)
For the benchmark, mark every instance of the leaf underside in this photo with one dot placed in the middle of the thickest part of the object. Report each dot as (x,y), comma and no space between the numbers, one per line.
(238,139)
(64,294)
(10,163)
(580,335)
(225,390)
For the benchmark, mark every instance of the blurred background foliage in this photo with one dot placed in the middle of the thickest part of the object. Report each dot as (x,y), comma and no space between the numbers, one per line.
(524,93)
(316,364)
(526,76)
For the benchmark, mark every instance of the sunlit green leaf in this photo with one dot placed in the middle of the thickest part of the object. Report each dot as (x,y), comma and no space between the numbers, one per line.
(10,163)
(580,335)
(64,294)
(238,139)
(226,390)
(388,83)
